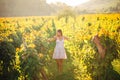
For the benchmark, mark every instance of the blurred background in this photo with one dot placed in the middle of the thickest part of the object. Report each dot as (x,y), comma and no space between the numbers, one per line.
(52,7)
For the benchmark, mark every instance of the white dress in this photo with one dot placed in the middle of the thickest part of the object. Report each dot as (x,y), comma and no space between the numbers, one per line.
(59,51)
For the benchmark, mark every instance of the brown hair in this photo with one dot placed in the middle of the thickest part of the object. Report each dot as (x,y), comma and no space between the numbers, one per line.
(60,31)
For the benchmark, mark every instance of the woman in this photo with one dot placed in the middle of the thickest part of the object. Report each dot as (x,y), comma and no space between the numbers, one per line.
(59,52)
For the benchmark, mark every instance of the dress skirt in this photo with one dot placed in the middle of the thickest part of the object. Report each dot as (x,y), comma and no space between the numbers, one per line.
(59,53)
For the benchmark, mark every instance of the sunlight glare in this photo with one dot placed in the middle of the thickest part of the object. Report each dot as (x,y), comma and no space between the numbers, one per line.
(69,2)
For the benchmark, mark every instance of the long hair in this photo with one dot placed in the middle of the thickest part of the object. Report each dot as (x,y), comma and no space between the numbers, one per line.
(60,31)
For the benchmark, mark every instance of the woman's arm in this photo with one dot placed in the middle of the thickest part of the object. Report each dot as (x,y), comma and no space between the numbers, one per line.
(52,39)
(66,38)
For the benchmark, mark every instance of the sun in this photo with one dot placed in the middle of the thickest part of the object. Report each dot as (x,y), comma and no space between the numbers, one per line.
(68,2)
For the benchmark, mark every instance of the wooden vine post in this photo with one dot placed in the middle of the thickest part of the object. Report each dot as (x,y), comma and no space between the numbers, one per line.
(100,47)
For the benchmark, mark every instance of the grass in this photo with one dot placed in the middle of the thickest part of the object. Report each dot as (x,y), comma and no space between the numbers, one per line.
(67,73)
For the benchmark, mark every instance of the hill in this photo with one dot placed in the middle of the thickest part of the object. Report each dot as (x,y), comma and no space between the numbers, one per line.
(24,8)
(99,6)
(41,8)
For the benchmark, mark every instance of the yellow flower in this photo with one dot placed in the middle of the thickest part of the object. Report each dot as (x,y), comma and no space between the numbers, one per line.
(41,55)
(31,45)
(17,49)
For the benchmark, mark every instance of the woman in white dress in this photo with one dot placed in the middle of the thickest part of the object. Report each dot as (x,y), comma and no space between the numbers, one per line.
(59,52)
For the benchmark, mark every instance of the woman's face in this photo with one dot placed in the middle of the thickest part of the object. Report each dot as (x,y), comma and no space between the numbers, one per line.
(58,34)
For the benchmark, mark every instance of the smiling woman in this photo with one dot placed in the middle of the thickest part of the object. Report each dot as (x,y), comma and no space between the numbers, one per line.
(69,2)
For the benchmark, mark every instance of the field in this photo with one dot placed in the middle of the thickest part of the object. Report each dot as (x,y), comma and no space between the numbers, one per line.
(33,54)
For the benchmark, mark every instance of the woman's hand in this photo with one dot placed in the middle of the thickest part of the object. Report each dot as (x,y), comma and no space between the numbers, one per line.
(48,40)
(51,39)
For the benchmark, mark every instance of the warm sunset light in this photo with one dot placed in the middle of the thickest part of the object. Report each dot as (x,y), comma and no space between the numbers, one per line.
(59,39)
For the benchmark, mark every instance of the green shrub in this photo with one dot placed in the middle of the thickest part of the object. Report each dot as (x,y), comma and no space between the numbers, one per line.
(7,62)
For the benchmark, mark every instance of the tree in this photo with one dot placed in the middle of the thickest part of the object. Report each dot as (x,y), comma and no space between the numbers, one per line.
(66,13)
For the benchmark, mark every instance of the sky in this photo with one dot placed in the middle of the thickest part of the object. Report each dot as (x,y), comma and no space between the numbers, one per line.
(68,2)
